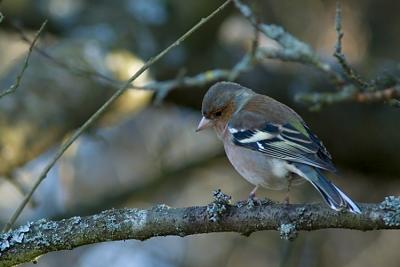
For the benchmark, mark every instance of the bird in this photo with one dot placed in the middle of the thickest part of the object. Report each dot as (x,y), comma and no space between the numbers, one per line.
(269,144)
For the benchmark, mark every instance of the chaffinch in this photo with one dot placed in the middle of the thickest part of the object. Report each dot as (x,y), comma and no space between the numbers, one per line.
(268,143)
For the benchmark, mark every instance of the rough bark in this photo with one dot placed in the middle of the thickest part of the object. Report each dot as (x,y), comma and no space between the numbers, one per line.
(43,236)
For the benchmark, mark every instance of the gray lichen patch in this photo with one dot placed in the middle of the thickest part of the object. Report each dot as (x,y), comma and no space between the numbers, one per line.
(47,225)
(161,208)
(136,218)
(4,244)
(221,197)
(219,206)
(9,239)
(391,206)
(294,48)
(254,202)
(288,231)
(75,220)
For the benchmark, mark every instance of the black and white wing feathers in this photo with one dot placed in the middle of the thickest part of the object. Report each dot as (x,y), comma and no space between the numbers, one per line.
(292,142)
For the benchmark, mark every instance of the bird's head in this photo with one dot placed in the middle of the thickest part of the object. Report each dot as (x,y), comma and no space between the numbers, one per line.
(220,102)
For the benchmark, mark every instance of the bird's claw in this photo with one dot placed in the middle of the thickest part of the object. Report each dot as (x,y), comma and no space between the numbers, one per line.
(253,201)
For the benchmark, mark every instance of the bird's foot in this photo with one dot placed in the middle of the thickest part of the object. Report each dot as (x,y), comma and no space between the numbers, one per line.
(253,201)
(286,200)
(252,195)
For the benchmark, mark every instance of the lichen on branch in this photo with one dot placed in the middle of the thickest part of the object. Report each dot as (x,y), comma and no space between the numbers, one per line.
(37,238)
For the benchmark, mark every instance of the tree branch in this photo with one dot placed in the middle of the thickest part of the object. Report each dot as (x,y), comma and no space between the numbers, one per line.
(292,49)
(14,86)
(162,88)
(74,69)
(350,93)
(351,87)
(102,109)
(43,236)
(349,71)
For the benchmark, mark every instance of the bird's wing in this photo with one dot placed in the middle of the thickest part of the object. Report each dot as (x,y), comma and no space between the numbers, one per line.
(292,141)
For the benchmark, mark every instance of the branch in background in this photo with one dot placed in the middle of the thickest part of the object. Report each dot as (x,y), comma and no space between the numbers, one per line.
(316,100)
(294,50)
(164,87)
(79,71)
(14,86)
(1,17)
(161,88)
(101,110)
(349,71)
(349,93)
(358,90)
(378,96)
(34,239)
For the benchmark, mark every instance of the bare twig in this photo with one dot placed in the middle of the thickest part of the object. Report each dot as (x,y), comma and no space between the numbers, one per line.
(73,69)
(29,241)
(350,93)
(14,86)
(292,49)
(162,88)
(357,90)
(378,96)
(255,43)
(102,109)
(349,71)
(76,70)
(317,99)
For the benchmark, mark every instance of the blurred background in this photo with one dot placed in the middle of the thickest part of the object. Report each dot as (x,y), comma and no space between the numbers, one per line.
(140,153)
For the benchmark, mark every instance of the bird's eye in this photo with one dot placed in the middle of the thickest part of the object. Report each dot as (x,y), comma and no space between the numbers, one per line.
(218,113)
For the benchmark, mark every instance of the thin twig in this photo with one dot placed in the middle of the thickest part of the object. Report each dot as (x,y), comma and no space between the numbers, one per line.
(349,71)
(164,87)
(292,49)
(350,93)
(14,86)
(378,95)
(72,69)
(316,100)
(255,43)
(101,110)
(357,89)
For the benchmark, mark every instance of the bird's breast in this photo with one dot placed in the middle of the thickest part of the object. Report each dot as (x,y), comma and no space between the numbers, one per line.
(258,168)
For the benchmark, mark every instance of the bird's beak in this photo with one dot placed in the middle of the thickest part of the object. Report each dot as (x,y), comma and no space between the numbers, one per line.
(204,123)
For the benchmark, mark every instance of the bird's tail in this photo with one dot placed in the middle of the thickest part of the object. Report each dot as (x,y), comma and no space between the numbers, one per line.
(335,198)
